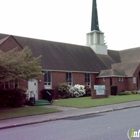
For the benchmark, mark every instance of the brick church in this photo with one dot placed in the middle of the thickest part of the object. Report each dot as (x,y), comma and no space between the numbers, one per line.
(92,64)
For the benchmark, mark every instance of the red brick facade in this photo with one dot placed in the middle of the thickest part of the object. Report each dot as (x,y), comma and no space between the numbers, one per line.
(60,77)
(125,83)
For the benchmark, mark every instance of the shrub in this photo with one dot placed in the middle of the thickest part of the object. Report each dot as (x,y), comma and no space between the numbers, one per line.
(63,89)
(88,90)
(128,92)
(77,90)
(134,92)
(12,98)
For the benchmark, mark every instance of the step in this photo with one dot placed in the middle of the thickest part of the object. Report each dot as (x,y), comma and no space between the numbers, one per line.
(42,102)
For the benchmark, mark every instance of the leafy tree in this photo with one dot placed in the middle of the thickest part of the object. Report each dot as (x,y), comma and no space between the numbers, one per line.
(18,65)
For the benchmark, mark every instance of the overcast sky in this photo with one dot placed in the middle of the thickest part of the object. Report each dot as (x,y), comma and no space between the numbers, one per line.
(69,20)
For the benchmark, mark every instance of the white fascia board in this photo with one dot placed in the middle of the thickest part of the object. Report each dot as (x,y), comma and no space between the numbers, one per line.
(111,76)
(70,71)
(94,32)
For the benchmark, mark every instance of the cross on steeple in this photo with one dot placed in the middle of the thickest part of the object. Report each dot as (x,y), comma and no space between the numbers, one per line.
(94,20)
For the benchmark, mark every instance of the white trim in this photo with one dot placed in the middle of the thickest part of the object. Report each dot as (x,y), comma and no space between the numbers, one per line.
(46,86)
(71,79)
(104,79)
(94,31)
(112,76)
(120,79)
(89,78)
(69,71)
(134,80)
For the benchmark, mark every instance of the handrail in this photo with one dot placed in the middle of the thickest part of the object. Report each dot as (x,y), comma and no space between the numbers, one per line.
(32,93)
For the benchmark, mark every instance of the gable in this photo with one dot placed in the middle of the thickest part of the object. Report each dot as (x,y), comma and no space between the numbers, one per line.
(9,43)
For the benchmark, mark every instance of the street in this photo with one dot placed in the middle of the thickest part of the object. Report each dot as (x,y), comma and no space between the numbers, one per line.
(104,126)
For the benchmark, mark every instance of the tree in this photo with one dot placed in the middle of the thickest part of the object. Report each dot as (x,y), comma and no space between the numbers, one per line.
(18,65)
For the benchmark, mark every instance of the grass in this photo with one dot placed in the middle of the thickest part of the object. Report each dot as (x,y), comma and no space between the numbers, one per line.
(25,111)
(85,102)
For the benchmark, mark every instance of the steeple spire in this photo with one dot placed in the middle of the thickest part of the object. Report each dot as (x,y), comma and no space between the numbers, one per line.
(94,20)
(95,38)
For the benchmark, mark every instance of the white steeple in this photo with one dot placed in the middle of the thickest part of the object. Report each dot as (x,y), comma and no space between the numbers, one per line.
(95,38)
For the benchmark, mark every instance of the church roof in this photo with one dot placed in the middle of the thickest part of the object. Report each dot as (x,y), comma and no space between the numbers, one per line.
(112,73)
(126,69)
(61,56)
(57,56)
(129,55)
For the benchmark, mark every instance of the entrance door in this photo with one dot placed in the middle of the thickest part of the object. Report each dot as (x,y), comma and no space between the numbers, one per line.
(33,87)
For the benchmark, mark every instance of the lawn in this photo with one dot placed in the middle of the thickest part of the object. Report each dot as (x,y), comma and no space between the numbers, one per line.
(25,111)
(85,102)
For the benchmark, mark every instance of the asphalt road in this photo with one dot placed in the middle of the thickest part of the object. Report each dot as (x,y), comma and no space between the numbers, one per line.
(105,126)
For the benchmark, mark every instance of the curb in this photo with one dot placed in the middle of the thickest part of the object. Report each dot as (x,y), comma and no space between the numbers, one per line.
(70,116)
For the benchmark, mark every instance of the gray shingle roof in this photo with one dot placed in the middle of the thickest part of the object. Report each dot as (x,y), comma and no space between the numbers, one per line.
(62,56)
(69,57)
(121,70)
(114,55)
(107,60)
(112,73)
(130,55)
(128,67)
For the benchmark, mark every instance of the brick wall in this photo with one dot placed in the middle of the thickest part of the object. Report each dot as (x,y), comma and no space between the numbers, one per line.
(93,80)
(106,82)
(137,75)
(57,78)
(40,86)
(78,78)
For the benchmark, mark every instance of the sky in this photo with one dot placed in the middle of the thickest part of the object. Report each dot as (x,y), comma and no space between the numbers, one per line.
(68,21)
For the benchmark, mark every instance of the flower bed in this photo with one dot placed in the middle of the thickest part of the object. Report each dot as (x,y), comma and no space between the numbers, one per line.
(74,91)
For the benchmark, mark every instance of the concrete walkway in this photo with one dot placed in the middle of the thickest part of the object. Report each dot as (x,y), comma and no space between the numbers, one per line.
(67,112)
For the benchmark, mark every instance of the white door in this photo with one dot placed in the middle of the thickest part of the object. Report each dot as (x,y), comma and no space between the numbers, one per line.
(33,88)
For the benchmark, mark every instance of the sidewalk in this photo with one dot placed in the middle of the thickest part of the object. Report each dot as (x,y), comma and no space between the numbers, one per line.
(67,112)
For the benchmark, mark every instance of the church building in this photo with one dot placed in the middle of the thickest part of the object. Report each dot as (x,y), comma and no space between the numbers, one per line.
(92,64)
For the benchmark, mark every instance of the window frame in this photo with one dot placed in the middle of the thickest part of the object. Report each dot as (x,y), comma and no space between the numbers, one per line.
(48,79)
(10,84)
(121,79)
(88,79)
(69,78)
(134,80)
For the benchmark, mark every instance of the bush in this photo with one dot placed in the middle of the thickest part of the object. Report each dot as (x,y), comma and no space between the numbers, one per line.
(12,98)
(88,90)
(77,91)
(128,92)
(63,89)
(134,92)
